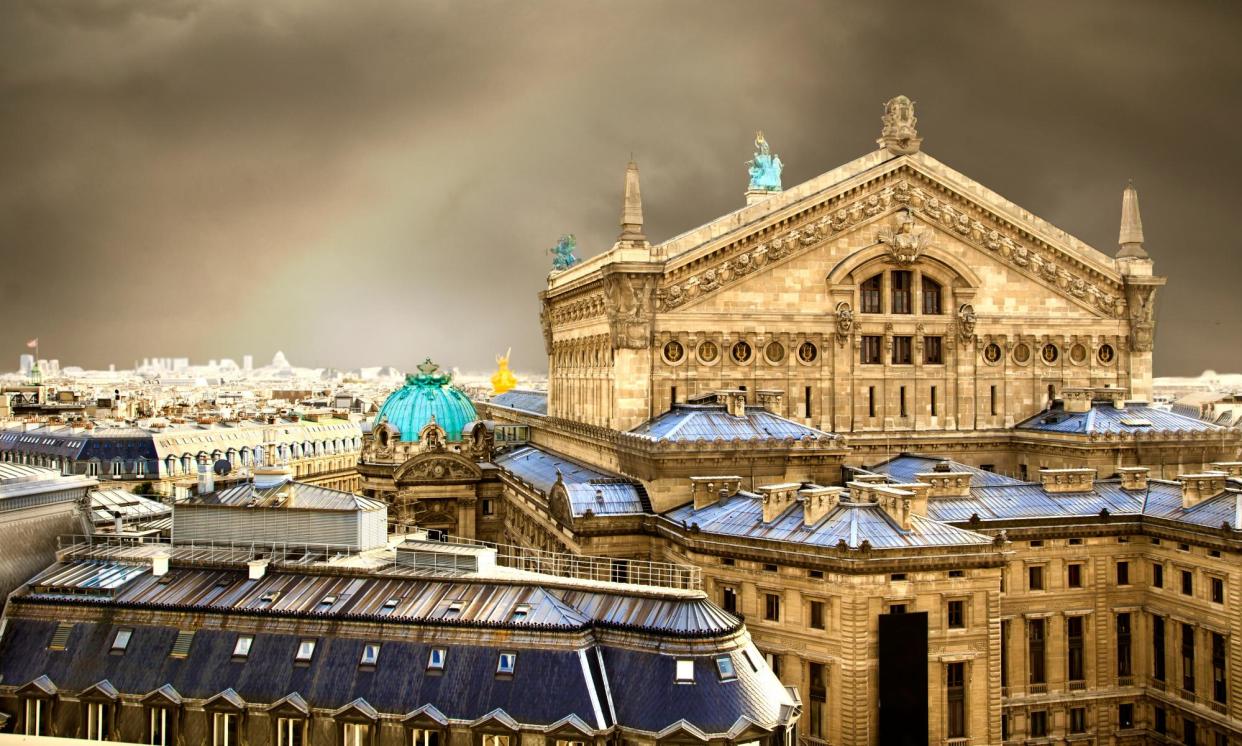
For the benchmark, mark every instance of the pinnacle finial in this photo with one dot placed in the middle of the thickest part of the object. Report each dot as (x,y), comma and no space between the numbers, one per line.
(1131,238)
(899,135)
(632,207)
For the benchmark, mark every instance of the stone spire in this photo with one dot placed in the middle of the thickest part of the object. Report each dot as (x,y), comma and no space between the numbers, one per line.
(632,210)
(1131,239)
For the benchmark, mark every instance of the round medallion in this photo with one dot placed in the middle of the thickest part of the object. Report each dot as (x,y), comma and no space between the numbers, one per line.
(807,352)
(1022,353)
(437,470)
(674,352)
(1078,354)
(1106,354)
(741,352)
(708,352)
(775,352)
(1050,353)
(992,353)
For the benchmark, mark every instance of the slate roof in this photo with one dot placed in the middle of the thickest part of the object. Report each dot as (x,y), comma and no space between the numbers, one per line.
(1105,418)
(903,468)
(711,422)
(535,402)
(742,516)
(588,489)
(300,495)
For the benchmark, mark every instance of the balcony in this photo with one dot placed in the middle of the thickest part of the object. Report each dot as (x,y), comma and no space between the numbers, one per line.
(1037,688)
(1125,681)
(812,741)
(1077,686)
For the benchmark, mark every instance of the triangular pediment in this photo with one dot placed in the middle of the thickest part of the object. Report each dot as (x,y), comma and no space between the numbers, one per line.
(936,201)
(357,710)
(425,716)
(290,705)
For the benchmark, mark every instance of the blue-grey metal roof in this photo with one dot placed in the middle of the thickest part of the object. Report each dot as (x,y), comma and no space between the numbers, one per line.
(297,495)
(710,422)
(535,402)
(1106,418)
(1164,500)
(742,516)
(588,489)
(903,468)
(1026,501)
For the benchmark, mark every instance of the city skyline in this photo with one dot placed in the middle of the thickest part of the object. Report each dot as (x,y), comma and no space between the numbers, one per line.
(207,180)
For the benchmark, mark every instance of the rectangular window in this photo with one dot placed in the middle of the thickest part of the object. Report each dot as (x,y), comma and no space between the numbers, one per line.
(901,395)
(1035,646)
(1004,653)
(435,659)
(818,686)
(1125,716)
(992,394)
(869,295)
(817,615)
(487,507)
(36,721)
(425,737)
(1161,724)
(1157,648)
(1157,575)
(901,285)
(685,671)
(1190,735)
(357,734)
(1074,576)
(934,409)
(290,731)
(957,614)
(306,651)
(1218,591)
(931,297)
(224,729)
(1074,649)
(1039,724)
(1123,573)
(1124,667)
(121,641)
(724,668)
(806,412)
(1188,658)
(728,599)
(1188,583)
(157,726)
(505,663)
(774,662)
(955,696)
(1218,668)
(871,401)
(96,721)
(871,345)
(933,350)
(772,607)
(241,648)
(1078,720)
(672,394)
(1035,577)
(903,350)
(492,739)
(370,654)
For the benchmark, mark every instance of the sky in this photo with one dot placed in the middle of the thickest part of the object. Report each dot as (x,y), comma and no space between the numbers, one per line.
(364,183)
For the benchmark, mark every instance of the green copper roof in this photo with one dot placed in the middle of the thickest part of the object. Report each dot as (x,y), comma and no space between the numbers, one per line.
(427,394)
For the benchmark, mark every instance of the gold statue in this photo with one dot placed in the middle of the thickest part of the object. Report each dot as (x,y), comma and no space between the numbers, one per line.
(503,379)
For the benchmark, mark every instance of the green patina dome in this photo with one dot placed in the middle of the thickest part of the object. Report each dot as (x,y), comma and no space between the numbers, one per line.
(427,394)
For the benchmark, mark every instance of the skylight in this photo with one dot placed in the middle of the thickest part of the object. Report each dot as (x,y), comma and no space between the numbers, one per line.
(685,671)
(506,663)
(370,654)
(521,611)
(241,648)
(306,651)
(724,666)
(121,641)
(435,661)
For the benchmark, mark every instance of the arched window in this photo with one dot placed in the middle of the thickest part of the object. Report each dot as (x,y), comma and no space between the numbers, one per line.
(931,297)
(869,300)
(902,290)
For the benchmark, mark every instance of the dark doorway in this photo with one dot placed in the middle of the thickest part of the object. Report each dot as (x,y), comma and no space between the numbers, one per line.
(903,679)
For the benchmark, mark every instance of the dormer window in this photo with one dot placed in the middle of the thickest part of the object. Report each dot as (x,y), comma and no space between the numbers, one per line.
(724,667)
(505,664)
(326,602)
(370,654)
(685,671)
(435,661)
(241,648)
(520,612)
(306,651)
(454,610)
(269,598)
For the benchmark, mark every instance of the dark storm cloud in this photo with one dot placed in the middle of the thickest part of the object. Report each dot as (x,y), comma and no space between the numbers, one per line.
(371,182)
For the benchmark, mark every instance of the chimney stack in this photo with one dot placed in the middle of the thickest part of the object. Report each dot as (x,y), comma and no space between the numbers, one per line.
(1133,478)
(777,498)
(258,568)
(734,401)
(1077,400)
(159,564)
(946,483)
(1199,487)
(771,400)
(1231,468)
(206,480)
(818,502)
(711,490)
(1064,481)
